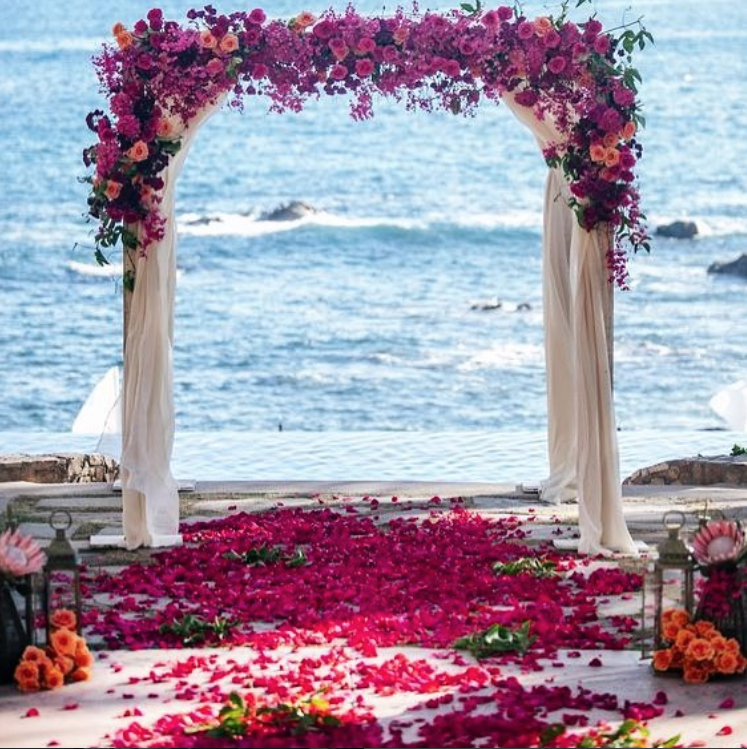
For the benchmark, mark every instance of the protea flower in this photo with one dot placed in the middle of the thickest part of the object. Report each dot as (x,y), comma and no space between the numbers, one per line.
(19,555)
(718,541)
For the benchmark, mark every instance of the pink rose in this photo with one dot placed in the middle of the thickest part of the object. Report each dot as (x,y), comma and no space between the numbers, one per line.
(366,45)
(339,72)
(258,16)
(552,39)
(602,45)
(557,65)
(364,68)
(138,152)
(452,68)
(491,19)
(324,30)
(525,30)
(339,48)
(229,43)
(214,67)
(504,12)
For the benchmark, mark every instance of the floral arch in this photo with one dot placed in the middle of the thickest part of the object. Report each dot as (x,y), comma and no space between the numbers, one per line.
(571,84)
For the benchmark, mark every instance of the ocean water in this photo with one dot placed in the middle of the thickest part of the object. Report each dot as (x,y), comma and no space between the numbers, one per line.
(365,316)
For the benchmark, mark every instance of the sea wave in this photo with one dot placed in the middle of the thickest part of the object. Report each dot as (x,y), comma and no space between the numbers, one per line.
(253,225)
(51,45)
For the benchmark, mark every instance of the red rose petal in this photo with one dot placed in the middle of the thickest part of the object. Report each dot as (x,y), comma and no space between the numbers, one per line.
(725,731)
(727,704)
(32,712)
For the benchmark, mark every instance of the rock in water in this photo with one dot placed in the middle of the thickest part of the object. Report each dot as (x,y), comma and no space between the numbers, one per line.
(736,267)
(292,211)
(678,230)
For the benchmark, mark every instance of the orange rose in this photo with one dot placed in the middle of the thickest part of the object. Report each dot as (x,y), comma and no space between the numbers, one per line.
(669,631)
(662,659)
(704,628)
(610,140)
(63,619)
(54,678)
(65,663)
(83,658)
(678,658)
(727,663)
(33,654)
(628,130)
(597,152)
(207,40)
(81,674)
(29,685)
(138,152)
(26,671)
(64,642)
(679,616)
(695,675)
(611,157)
(699,650)
(118,28)
(684,638)
(542,25)
(304,19)
(229,43)
(124,39)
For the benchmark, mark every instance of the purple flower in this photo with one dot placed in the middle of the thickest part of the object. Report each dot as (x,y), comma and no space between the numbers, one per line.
(552,39)
(623,97)
(611,121)
(155,19)
(491,19)
(141,27)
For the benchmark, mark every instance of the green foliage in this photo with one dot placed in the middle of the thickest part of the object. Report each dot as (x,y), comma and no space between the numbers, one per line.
(192,629)
(264,555)
(238,715)
(738,450)
(496,639)
(630,733)
(472,10)
(535,566)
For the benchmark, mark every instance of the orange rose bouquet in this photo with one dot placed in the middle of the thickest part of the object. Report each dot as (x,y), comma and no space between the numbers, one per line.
(66,658)
(697,649)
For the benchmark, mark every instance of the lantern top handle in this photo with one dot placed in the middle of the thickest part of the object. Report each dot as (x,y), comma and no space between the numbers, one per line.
(673,520)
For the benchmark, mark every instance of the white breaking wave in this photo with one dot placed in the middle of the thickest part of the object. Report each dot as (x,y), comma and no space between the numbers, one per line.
(249,225)
(89,269)
(243,225)
(505,355)
(56,44)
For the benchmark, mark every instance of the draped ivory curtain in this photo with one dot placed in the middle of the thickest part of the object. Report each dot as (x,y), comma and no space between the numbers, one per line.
(582,436)
(150,497)
(582,439)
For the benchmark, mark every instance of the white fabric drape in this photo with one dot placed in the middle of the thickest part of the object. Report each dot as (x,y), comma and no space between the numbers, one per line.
(149,493)
(582,437)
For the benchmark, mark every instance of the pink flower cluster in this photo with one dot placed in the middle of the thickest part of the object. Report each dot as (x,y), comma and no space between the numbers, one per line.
(160,73)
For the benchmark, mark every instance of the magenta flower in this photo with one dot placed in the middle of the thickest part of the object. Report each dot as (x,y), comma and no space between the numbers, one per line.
(257,16)
(525,30)
(364,68)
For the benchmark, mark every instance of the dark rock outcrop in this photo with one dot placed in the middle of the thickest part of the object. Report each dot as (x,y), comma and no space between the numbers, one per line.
(678,230)
(292,211)
(736,267)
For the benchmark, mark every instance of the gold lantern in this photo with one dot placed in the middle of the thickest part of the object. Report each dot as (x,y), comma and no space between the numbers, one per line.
(61,572)
(676,561)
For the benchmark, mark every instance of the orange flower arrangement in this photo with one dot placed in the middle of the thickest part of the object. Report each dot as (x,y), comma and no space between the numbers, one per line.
(697,649)
(66,659)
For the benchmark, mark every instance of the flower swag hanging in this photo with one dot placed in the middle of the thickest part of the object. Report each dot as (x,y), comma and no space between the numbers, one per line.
(160,75)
